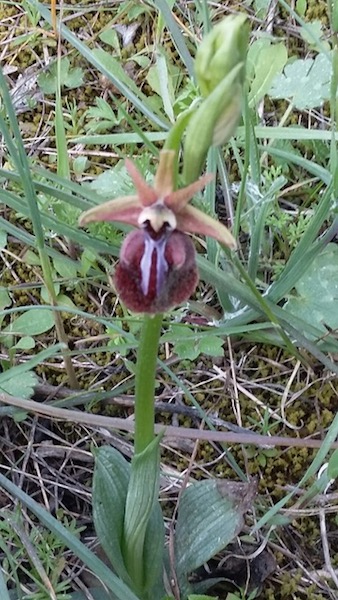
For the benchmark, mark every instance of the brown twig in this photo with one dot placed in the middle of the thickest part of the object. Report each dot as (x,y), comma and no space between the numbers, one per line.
(227,437)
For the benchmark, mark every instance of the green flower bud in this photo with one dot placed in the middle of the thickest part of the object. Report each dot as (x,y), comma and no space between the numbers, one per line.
(222,49)
(213,123)
(220,71)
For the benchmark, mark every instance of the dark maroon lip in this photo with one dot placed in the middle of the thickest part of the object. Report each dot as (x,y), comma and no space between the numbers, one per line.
(156,272)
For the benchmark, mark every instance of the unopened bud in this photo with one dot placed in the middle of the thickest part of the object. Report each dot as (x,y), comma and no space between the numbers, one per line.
(222,49)
(220,72)
(213,123)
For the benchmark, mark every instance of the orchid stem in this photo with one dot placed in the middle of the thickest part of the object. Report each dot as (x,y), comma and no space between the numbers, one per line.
(145,382)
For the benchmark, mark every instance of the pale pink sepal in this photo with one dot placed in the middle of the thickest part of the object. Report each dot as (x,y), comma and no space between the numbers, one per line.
(146,194)
(193,220)
(179,199)
(125,209)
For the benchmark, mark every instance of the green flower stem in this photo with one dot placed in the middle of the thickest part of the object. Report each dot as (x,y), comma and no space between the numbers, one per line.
(145,381)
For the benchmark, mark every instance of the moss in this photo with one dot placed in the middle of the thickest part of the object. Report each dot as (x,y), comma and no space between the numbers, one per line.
(317,9)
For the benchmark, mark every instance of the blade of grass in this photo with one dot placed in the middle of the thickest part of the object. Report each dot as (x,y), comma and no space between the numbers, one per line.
(230,458)
(37,359)
(244,169)
(52,224)
(113,583)
(311,471)
(120,139)
(4,594)
(288,133)
(109,323)
(308,165)
(18,155)
(176,35)
(304,253)
(63,168)
(29,240)
(140,102)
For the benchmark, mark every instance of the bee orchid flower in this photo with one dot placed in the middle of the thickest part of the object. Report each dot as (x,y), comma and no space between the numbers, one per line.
(157,269)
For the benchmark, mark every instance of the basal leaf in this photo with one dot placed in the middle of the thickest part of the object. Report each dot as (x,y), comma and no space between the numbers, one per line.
(110,484)
(153,555)
(140,502)
(210,516)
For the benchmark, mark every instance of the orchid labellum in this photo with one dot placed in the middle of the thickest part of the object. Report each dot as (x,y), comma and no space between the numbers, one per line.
(157,268)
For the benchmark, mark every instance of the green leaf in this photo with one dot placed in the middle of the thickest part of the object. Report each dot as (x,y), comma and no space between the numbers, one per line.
(153,555)
(25,343)
(31,322)
(265,60)
(192,345)
(23,387)
(102,117)
(80,164)
(4,594)
(140,503)
(64,300)
(187,349)
(160,79)
(301,6)
(314,31)
(210,515)
(110,484)
(71,77)
(5,299)
(111,37)
(31,258)
(88,260)
(212,345)
(113,179)
(261,8)
(44,293)
(317,291)
(115,67)
(306,82)
(65,267)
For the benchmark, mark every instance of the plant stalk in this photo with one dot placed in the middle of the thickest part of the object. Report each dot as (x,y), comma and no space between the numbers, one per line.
(145,381)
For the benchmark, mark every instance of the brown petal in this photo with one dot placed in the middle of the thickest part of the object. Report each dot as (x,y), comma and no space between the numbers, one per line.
(125,209)
(193,220)
(164,184)
(179,199)
(145,193)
